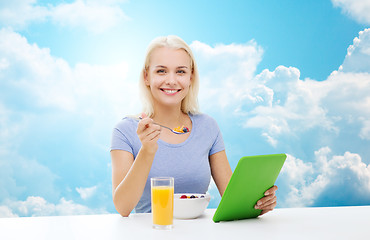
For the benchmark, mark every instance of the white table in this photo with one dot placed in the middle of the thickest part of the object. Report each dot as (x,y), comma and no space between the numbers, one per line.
(283,223)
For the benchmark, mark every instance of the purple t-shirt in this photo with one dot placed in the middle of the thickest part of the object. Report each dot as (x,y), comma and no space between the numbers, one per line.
(186,162)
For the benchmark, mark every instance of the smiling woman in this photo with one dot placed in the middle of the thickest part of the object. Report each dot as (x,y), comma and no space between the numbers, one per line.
(143,150)
(184,68)
(284,73)
(169,72)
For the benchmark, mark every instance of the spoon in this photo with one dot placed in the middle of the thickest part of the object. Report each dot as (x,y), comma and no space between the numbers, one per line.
(178,130)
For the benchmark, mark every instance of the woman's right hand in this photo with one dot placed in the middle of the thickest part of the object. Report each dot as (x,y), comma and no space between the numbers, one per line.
(148,134)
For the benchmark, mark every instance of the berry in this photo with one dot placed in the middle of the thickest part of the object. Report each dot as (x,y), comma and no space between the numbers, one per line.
(201,196)
(183,196)
(192,196)
(185,129)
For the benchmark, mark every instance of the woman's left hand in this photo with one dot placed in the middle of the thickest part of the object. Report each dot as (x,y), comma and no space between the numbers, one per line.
(268,202)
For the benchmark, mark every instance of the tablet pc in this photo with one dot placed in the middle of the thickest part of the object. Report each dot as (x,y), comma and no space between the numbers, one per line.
(252,176)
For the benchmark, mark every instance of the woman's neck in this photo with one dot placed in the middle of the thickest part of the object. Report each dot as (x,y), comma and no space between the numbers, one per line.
(171,117)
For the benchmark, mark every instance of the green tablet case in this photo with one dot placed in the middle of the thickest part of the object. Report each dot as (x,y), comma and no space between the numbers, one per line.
(251,178)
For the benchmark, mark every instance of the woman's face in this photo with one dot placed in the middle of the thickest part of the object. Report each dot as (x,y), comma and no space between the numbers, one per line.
(169,76)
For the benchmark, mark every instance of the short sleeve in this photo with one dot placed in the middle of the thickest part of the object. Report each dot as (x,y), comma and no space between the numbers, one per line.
(120,142)
(218,144)
(123,136)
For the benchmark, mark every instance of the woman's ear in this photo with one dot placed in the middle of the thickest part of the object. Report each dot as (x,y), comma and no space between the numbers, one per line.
(146,78)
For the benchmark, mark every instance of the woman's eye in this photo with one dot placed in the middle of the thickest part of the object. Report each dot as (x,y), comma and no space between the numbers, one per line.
(181,71)
(161,71)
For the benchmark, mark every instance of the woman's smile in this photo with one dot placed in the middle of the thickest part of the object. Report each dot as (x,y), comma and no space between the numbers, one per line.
(169,91)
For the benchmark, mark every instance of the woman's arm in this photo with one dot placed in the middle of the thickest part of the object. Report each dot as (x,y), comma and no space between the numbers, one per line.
(220,170)
(129,176)
(129,179)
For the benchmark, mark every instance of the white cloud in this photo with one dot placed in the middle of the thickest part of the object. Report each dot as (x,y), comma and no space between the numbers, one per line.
(66,207)
(16,172)
(6,212)
(294,105)
(329,180)
(296,170)
(8,128)
(348,100)
(40,90)
(86,193)
(301,115)
(39,95)
(95,16)
(280,103)
(37,206)
(357,9)
(227,72)
(19,13)
(365,130)
(277,102)
(358,54)
(51,82)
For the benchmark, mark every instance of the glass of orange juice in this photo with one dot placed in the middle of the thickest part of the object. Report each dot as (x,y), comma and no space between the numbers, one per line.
(162,202)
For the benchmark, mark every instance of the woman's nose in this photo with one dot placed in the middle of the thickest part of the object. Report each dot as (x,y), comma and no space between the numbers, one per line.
(171,79)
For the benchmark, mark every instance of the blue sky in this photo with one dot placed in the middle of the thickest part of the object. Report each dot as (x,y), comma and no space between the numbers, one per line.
(278,76)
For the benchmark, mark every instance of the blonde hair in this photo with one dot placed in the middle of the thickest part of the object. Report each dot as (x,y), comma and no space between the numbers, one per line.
(190,102)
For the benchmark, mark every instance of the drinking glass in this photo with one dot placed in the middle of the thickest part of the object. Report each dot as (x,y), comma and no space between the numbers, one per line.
(162,202)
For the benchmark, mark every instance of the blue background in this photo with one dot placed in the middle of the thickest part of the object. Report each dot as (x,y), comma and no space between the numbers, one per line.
(278,76)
